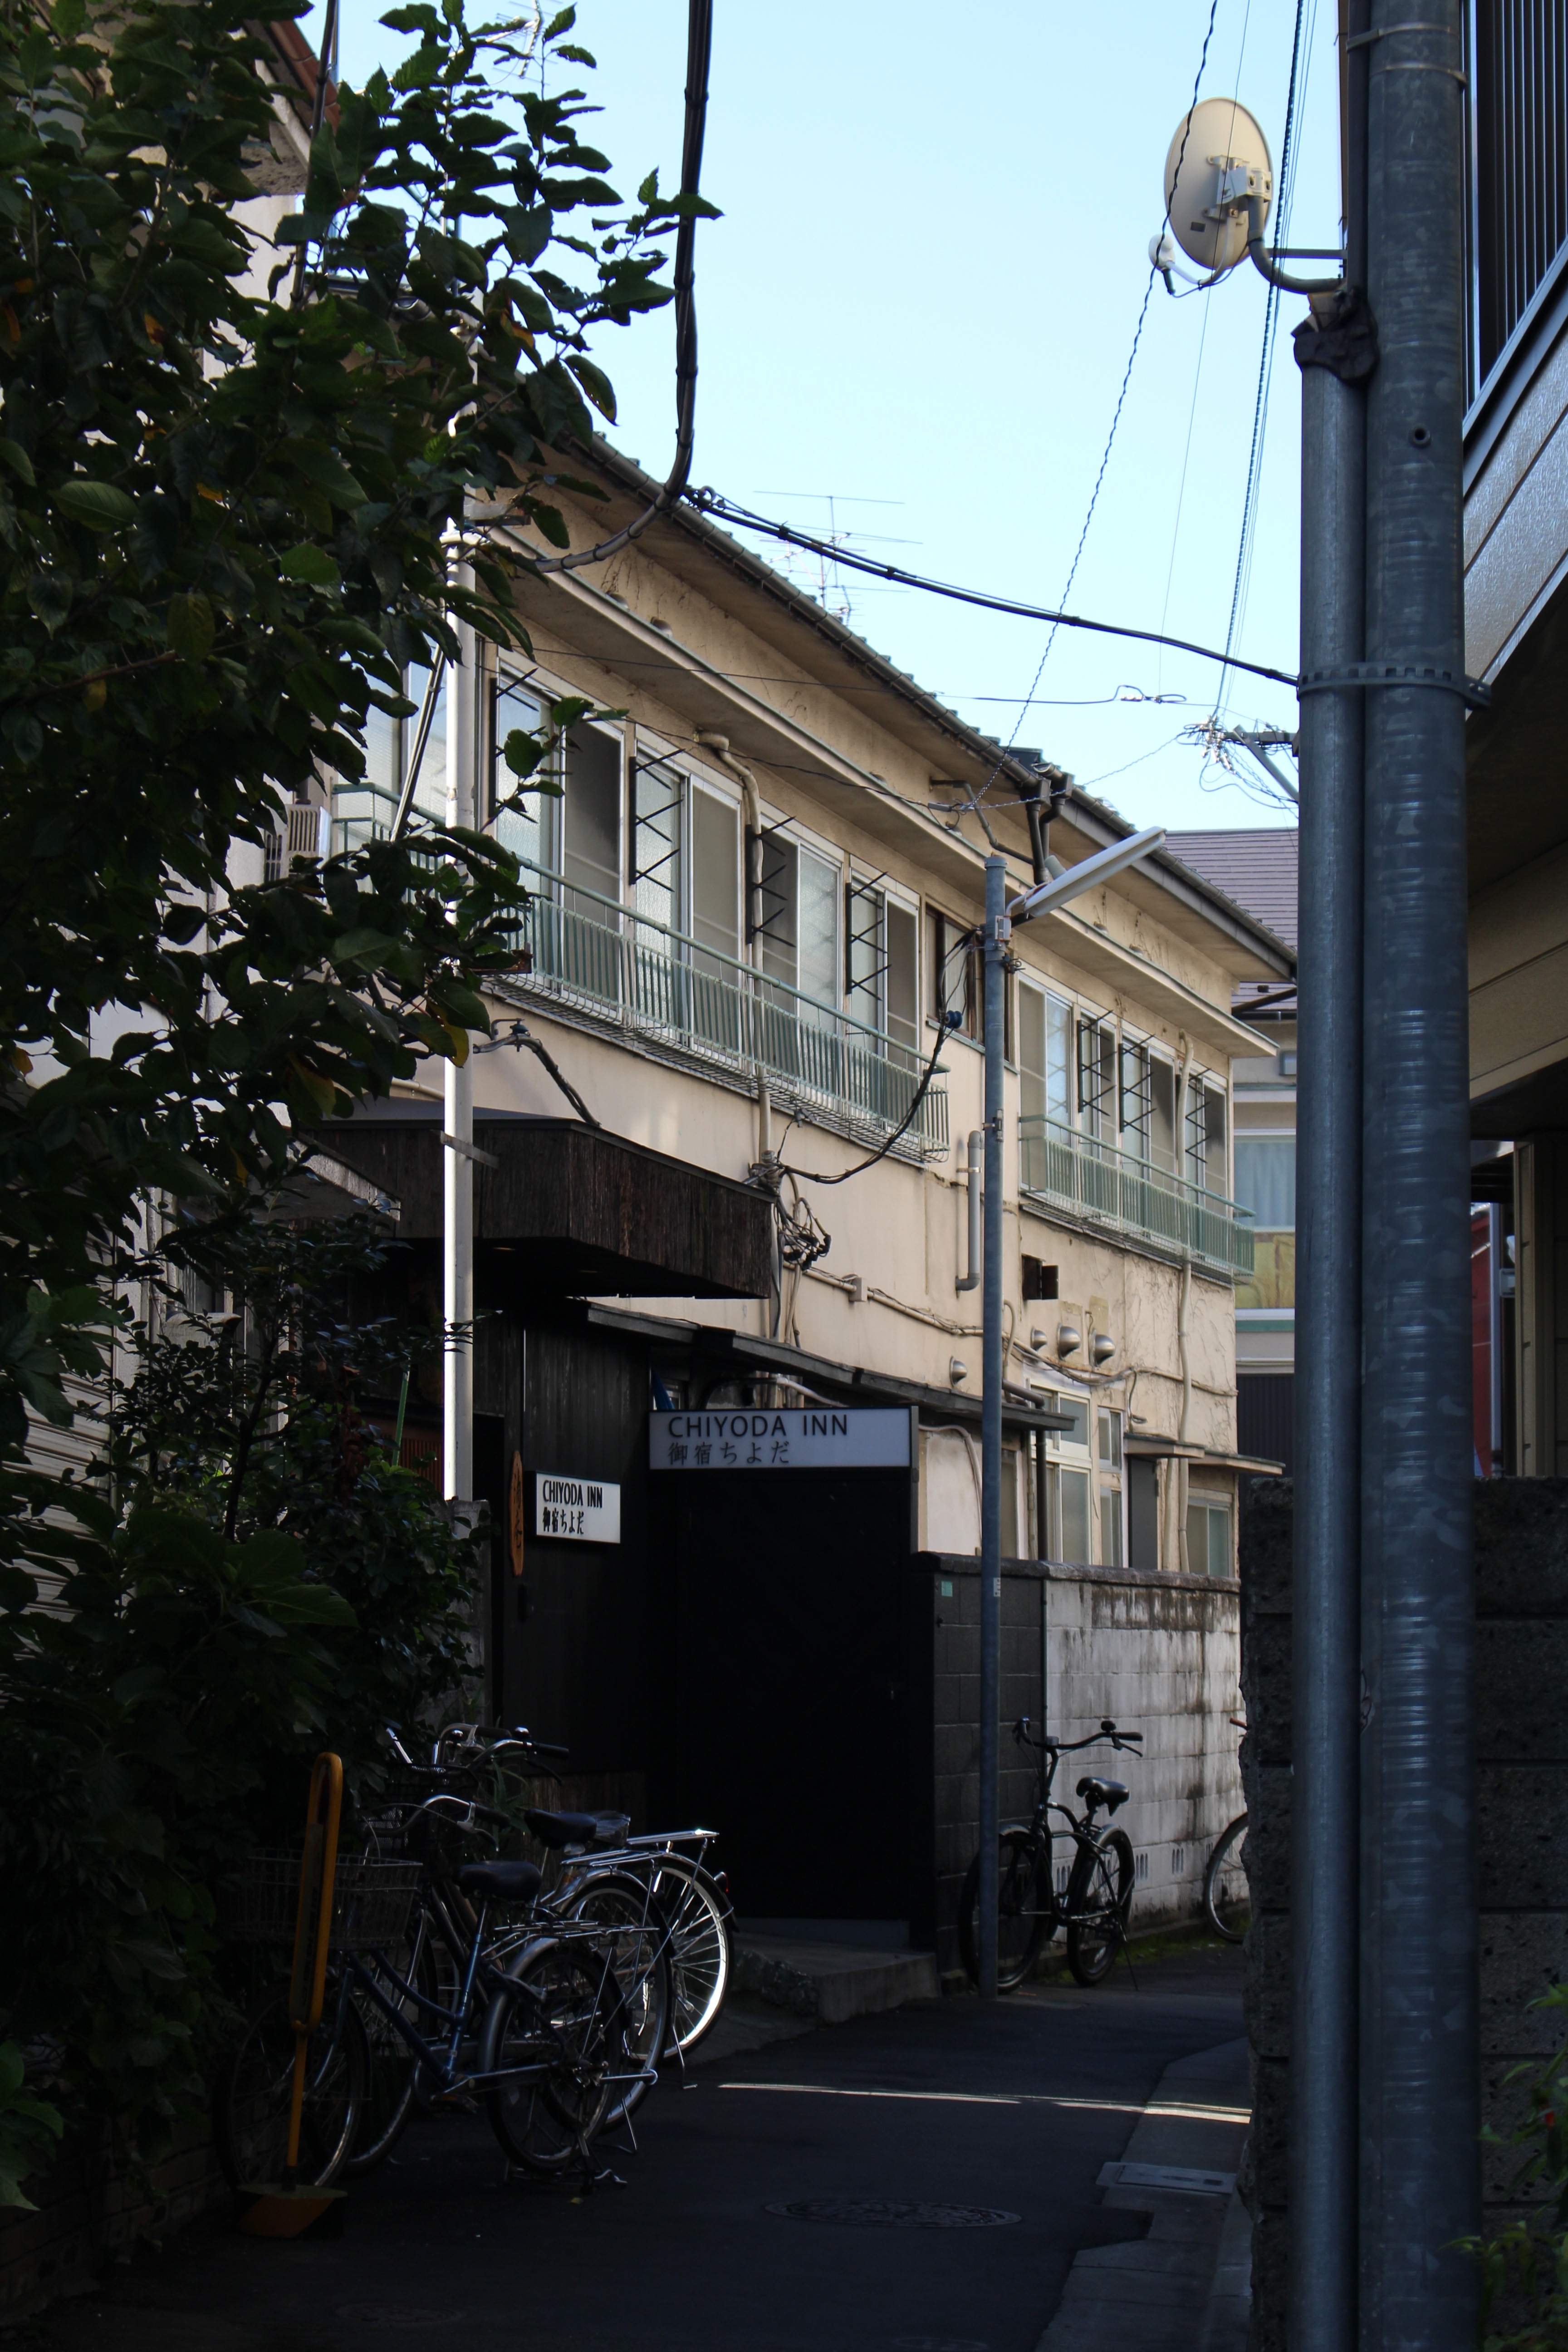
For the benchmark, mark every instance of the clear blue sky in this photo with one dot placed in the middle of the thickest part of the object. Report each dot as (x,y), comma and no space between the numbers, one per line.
(920,304)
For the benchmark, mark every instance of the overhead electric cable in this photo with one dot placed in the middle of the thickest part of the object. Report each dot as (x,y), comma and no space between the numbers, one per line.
(1288,164)
(710,503)
(976,798)
(699,48)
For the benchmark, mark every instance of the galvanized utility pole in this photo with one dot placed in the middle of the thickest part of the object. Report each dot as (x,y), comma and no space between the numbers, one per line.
(997,929)
(1420,2174)
(458,1218)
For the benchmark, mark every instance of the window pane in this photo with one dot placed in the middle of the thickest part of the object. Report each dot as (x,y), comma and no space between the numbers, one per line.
(1266,1179)
(520,828)
(1075,1500)
(1219,1540)
(658,807)
(1059,1060)
(715,871)
(1110,1528)
(781,934)
(430,793)
(818,925)
(592,809)
(902,996)
(1077,1410)
(1111,1439)
(1031,1051)
(1161,1113)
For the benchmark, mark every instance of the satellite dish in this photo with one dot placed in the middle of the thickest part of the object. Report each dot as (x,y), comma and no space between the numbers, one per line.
(1223,159)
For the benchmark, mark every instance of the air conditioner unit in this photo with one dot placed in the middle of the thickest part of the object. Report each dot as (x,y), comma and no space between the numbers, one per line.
(309,835)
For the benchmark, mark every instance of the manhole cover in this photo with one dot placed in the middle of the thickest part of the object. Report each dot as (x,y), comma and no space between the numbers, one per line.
(396,2315)
(865,2213)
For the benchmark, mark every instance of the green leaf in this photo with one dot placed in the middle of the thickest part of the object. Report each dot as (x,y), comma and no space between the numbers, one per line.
(12,453)
(191,627)
(99,505)
(596,384)
(311,565)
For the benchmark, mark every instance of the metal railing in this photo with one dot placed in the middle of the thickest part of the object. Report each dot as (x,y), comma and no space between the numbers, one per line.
(1064,1170)
(588,951)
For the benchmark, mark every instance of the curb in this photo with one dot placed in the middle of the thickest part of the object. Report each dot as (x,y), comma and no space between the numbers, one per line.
(1185,2285)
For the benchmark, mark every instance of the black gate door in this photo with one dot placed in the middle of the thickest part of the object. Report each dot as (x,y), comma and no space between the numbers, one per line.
(791,1722)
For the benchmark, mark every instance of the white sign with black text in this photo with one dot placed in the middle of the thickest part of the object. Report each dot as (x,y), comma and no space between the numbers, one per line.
(584,1510)
(815,1437)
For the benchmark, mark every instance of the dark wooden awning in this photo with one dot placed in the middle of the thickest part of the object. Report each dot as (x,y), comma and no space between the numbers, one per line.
(577,1211)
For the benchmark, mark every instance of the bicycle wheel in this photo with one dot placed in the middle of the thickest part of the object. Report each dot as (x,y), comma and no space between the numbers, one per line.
(394,2067)
(251,2104)
(636,1940)
(1227,1903)
(1026,1909)
(1100,1896)
(701,1950)
(558,2023)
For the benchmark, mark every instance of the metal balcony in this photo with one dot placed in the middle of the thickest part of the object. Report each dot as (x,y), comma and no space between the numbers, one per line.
(593,956)
(1092,1182)
(589,953)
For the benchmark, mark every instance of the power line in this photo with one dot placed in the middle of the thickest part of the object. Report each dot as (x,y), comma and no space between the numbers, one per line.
(1288,164)
(711,502)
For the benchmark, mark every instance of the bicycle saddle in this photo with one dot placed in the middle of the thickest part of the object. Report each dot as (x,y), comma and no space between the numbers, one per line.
(577,1829)
(500,1882)
(1108,1793)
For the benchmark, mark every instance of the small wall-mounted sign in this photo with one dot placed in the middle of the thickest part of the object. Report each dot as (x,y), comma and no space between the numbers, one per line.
(819,1437)
(583,1510)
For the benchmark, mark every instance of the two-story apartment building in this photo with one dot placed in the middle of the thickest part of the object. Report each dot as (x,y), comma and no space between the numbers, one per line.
(748,934)
(1257,869)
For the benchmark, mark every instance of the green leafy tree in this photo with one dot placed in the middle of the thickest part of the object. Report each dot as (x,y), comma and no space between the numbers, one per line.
(261,1581)
(227,524)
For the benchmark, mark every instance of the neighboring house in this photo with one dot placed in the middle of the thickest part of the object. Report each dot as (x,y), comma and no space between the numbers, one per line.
(1516,624)
(751,901)
(1257,869)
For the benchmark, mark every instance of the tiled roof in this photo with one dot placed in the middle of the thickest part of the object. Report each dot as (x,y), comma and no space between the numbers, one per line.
(1257,871)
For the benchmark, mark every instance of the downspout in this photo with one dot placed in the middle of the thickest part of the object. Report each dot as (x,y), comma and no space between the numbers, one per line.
(751,926)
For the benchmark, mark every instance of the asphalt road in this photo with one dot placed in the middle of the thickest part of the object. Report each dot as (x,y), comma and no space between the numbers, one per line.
(1012,2111)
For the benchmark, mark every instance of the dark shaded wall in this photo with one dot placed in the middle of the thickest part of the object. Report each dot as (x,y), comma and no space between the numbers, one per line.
(1521,1655)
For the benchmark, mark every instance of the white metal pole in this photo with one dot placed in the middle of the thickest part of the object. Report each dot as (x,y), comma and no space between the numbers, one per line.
(457,1222)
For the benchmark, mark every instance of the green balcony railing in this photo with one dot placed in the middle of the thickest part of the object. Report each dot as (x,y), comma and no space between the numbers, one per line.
(587,952)
(1064,1170)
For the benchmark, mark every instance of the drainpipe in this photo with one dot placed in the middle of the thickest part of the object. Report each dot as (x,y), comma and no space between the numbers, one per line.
(751,828)
(971,1281)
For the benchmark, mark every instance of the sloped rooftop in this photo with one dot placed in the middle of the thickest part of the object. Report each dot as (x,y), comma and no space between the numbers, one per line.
(1256,870)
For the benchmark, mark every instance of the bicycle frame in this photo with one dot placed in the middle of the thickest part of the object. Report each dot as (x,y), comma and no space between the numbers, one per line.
(1080,1828)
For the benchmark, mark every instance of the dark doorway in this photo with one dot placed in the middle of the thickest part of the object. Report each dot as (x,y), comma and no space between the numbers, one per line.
(789,1721)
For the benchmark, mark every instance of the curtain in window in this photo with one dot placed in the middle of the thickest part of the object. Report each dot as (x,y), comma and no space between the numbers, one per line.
(1266,1179)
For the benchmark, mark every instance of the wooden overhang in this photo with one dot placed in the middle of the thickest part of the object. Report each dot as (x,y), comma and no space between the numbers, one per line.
(577,1211)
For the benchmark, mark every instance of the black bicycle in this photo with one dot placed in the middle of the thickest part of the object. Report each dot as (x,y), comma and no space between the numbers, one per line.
(1096,1894)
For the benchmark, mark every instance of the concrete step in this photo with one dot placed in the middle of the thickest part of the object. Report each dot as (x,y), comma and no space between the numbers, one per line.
(830,1981)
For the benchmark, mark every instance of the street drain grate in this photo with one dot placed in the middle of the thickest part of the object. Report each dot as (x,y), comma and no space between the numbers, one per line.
(865,2213)
(396,2315)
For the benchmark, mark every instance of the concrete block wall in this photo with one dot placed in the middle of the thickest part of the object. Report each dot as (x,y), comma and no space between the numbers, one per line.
(1156,1652)
(1521,1649)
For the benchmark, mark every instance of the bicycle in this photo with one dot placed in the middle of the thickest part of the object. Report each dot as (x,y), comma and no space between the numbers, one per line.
(693,1901)
(1226,1886)
(559,2034)
(1094,1904)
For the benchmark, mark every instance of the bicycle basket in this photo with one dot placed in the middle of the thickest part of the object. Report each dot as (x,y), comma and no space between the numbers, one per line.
(371,1901)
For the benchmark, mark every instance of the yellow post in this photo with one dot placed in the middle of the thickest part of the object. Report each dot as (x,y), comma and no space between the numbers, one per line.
(289,2211)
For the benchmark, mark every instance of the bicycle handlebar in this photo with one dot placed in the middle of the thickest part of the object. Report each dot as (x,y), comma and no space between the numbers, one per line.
(1108,1731)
